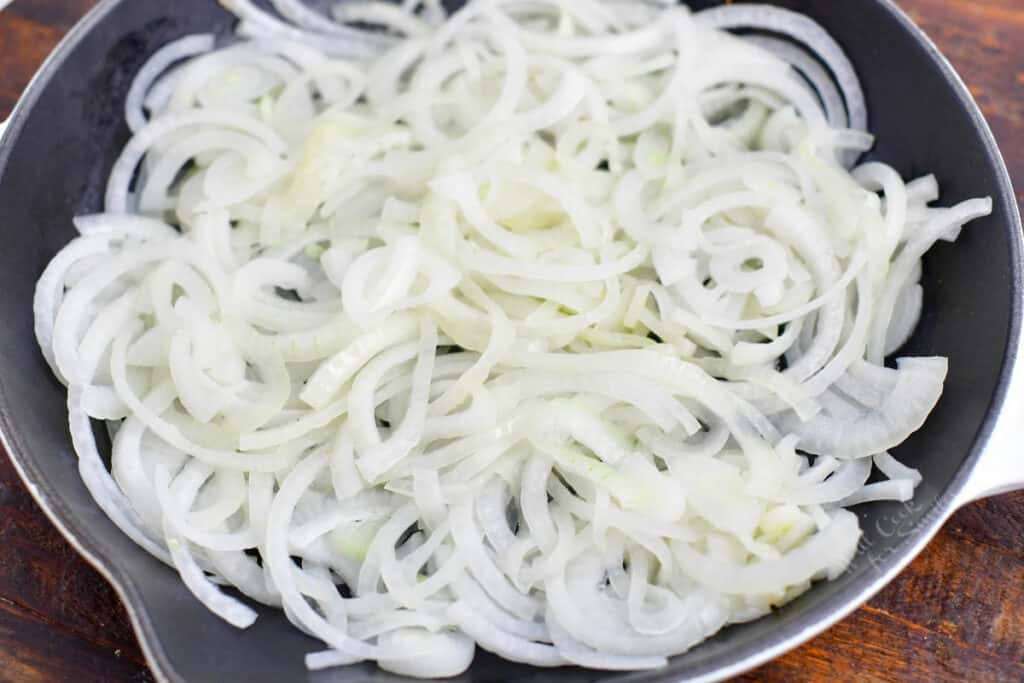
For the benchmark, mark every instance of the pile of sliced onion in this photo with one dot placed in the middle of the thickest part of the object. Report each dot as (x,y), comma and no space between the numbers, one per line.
(557,329)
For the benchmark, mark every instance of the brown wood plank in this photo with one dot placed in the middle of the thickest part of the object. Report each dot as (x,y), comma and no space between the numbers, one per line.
(24,45)
(60,14)
(33,650)
(983,41)
(41,574)
(970,591)
(956,614)
(877,646)
(998,523)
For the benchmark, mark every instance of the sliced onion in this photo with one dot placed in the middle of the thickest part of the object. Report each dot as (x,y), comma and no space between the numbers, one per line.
(553,328)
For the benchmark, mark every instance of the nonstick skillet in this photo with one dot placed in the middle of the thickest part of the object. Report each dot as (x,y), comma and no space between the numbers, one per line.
(66,132)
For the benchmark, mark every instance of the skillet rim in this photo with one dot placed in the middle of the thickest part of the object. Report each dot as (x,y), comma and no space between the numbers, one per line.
(119,579)
(816,619)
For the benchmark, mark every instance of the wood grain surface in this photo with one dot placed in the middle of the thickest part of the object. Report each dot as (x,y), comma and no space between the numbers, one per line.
(956,614)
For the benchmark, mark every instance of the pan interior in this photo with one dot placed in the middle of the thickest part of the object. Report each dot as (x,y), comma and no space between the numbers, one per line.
(62,145)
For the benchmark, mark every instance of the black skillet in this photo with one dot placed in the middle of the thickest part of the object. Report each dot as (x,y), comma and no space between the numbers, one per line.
(68,129)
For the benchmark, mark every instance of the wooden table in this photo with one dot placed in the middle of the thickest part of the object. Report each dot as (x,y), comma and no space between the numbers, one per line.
(956,614)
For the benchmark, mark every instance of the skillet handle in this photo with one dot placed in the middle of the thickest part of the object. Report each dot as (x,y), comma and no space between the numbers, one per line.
(1000,468)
